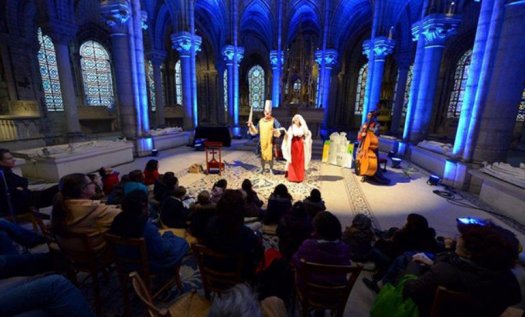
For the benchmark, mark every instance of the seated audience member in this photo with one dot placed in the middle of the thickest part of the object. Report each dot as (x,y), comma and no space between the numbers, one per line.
(314,203)
(480,266)
(109,179)
(360,237)
(241,301)
(253,204)
(163,185)
(325,246)
(218,190)
(164,251)
(414,236)
(279,203)
(294,228)
(227,234)
(135,182)
(95,178)
(117,194)
(47,296)
(22,199)
(151,172)
(200,214)
(173,213)
(75,211)
(12,262)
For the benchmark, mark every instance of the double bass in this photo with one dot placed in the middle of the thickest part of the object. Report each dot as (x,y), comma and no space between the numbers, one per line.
(366,158)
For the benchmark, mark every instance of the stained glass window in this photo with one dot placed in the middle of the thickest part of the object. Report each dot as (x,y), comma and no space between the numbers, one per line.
(297,86)
(151,87)
(163,83)
(225,82)
(521,109)
(96,72)
(49,72)
(256,87)
(407,90)
(361,85)
(178,83)
(460,82)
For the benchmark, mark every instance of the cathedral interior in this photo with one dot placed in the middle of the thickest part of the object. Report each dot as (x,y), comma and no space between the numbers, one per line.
(446,77)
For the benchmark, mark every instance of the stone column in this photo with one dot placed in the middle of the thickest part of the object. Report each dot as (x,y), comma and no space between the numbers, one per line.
(62,33)
(326,59)
(233,56)
(116,15)
(402,77)
(277,62)
(501,85)
(381,47)
(157,57)
(183,42)
(436,29)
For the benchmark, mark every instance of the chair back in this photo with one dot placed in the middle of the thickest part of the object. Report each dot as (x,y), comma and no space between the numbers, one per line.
(449,303)
(144,295)
(84,250)
(130,255)
(219,271)
(332,295)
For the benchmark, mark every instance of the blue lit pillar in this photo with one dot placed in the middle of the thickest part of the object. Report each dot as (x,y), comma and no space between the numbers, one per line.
(381,47)
(116,15)
(183,43)
(478,51)
(277,61)
(233,56)
(501,84)
(326,59)
(436,29)
(157,57)
(403,67)
(62,33)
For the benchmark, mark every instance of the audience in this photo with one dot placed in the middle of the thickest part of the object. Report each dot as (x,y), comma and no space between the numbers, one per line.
(294,227)
(135,182)
(75,211)
(253,204)
(200,214)
(109,179)
(164,251)
(279,203)
(226,232)
(314,203)
(117,194)
(173,213)
(218,190)
(21,199)
(163,185)
(151,172)
(480,266)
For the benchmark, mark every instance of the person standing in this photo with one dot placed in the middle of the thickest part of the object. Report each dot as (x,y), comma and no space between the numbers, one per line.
(268,127)
(297,149)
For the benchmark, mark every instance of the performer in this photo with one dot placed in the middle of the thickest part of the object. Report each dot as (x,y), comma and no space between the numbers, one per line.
(268,127)
(297,149)
(367,158)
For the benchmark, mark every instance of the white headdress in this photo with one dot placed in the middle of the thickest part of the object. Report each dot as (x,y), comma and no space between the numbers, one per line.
(268,105)
(287,142)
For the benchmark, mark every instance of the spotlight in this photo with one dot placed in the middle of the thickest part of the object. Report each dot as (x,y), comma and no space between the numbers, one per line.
(433,180)
(391,154)
(154,152)
(396,162)
(198,145)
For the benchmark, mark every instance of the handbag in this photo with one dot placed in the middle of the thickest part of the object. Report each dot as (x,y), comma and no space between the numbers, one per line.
(390,302)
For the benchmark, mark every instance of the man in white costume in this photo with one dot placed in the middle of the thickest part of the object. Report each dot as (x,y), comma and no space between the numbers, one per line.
(297,149)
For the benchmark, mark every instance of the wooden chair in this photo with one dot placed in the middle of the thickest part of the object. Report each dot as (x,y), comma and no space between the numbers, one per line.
(212,163)
(449,303)
(315,296)
(189,304)
(84,254)
(218,271)
(131,254)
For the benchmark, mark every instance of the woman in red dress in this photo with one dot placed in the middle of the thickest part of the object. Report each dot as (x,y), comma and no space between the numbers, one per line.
(297,149)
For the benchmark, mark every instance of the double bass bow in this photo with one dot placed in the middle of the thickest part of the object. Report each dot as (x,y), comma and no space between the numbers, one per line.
(366,158)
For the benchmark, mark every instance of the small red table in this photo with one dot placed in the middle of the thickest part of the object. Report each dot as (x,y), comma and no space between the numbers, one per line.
(212,163)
